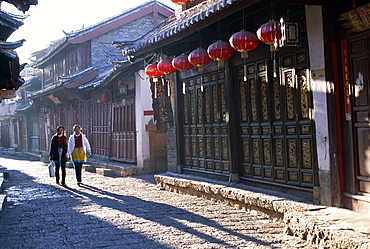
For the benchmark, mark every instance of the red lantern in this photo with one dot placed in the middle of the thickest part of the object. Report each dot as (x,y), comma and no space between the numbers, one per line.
(153,72)
(220,51)
(105,97)
(270,33)
(165,66)
(199,57)
(179,1)
(243,41)
(182,63)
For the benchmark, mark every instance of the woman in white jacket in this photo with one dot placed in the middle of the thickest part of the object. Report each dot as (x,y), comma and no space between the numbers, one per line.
(78,149)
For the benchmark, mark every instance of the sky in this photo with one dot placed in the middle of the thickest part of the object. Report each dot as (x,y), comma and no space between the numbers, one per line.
(47,20)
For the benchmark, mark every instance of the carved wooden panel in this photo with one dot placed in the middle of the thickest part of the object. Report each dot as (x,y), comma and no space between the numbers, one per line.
(276,129)
(207,145)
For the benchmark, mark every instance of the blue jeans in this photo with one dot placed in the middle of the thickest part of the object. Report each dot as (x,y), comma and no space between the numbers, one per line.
(78,169)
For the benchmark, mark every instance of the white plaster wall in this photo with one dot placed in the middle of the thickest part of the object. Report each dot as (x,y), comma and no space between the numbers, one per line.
(318,83)
(143,102)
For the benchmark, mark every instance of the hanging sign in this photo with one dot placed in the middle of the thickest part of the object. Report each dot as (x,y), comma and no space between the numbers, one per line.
(358,19)
(7,94)
(347,93)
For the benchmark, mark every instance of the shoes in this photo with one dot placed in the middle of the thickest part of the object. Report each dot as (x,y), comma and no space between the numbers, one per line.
(58,183)
(79,184)
(64,185)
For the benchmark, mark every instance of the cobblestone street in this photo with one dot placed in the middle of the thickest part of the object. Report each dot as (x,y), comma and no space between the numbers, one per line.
(130,212)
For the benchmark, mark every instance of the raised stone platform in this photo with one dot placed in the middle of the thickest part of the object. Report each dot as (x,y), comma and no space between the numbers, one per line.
(90,168)
(326,227)
(105,172)
(117,169)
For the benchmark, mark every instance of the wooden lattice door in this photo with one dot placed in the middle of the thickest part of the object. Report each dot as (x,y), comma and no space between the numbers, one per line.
(124,131)
(101,129)
(206,145)
(276,124)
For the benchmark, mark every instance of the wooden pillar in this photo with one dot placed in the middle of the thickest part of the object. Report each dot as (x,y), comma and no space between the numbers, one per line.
(232,124)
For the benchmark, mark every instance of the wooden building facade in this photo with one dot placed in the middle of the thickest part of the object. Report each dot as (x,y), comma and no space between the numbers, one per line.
(351,64)
(284,119)
(81,83)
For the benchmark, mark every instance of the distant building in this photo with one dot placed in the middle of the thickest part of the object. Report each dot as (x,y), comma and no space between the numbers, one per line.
(74,88)
(10,79)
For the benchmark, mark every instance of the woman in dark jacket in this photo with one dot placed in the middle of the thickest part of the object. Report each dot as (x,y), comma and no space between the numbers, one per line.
(58,153)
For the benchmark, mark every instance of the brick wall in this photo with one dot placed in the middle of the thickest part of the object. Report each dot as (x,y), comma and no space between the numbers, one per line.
(102,49)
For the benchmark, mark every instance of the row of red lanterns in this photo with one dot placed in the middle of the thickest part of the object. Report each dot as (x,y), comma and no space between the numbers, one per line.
(179,2)
(242,41)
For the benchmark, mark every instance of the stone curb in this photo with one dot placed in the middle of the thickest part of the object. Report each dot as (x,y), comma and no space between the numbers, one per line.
(323,233)
(117,170)
(314,223)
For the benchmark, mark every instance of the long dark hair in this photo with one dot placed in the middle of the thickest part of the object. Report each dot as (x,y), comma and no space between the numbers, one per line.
(60,127)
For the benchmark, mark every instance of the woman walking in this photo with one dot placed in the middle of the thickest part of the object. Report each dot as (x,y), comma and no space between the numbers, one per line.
(78,149)
(58,153)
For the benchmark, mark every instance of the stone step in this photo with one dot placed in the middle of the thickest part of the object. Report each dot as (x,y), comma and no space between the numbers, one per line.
(105,172)
(120,170)
(90,168)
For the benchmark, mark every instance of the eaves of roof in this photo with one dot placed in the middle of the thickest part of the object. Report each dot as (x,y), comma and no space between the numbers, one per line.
(9,23)
(182,21)
(11,45)
(23,5)
(57,48)
(24,107)
(102,79)
(79,78)
(71,81)
(45,90)
(9,66)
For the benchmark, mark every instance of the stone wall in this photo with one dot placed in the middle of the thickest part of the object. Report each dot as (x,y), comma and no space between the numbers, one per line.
(103,50)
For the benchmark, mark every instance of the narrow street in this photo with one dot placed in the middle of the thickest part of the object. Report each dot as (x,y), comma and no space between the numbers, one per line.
(130,212)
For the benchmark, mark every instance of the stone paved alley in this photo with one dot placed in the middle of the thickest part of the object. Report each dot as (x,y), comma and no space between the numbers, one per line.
(122,212)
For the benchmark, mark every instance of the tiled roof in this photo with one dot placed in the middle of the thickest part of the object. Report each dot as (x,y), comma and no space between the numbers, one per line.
(45,89)
(66,80)
(9,23)
(73,35)
(97,81)
(9,66)
(106,76)
(11,45)
(179,22)
(23,5)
